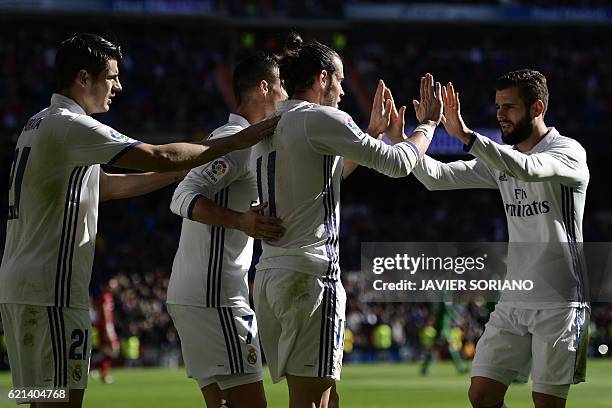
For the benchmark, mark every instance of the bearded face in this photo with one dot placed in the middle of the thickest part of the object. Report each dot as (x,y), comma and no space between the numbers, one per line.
(513,116)
(513,133)
(333,91)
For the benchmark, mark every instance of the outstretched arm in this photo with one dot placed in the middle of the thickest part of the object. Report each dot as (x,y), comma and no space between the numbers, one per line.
(181,156)
(435,175)
(565,162)
(116,186)
(332,132)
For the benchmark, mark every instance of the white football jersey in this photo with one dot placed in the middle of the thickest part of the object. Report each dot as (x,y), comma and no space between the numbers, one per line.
(53,206)
(211,263)
(299,170)
(543,193)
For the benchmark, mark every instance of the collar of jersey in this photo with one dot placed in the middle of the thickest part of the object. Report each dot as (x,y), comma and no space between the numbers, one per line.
(239,120)
(291,104)
(545,141)
(62,101)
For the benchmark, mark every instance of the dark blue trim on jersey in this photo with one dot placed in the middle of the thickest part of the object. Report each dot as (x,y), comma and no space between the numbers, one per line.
(413,147)
(259,183)
(468,147)
(54,347)
(63,343)
(567,205)
(228,342)
(330,218)
(235,340)
(334,223)
(326,215)
(271,181)
(63,274)
(192,204)
(58,283)
(212,261)
(74,228)
(328,323)
(215,256)
(57,329)
(224,202)
(331,222)
(122,152)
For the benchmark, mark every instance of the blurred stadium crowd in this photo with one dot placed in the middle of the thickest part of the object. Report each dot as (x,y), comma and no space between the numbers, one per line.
(175,79)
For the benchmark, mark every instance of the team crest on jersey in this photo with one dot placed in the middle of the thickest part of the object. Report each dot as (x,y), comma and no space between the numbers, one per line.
(119,137)
(77,373)
(216,170)
(353,126)
(251,355)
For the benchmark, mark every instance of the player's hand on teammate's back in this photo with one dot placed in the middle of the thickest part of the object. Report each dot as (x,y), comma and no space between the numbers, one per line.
(260,226)
(381,111)
(452,120)
(254,133)
(430,106)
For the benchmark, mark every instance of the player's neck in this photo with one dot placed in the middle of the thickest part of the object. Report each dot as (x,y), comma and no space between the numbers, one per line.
(252,115)
(309,95)
(539,132)
(75,96)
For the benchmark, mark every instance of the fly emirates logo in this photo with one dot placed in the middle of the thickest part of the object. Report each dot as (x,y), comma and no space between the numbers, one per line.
(523,208)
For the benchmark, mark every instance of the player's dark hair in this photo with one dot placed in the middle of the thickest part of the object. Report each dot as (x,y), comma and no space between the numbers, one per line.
(83,51)
(251,70)
(301,61)
(530,83)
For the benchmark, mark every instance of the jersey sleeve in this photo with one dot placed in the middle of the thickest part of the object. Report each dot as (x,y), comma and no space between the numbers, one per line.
(331,131)
(91,142)
(435,175)
(207,180)
(564,162)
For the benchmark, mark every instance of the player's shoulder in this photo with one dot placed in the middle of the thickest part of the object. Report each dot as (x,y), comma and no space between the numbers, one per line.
(328,111)
(327,116)
(226,130)
(558,141)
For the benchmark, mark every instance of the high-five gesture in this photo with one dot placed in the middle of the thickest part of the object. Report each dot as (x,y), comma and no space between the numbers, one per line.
(429,108)
(395,132)
(452,120)
(381,111)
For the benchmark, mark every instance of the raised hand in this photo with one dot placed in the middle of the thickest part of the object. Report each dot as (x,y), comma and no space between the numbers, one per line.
(395,131)
(381,112)
(430,107)
(260,226)
(452,120)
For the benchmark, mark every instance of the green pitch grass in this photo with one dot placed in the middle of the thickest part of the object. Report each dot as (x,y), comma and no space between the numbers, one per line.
(362,386)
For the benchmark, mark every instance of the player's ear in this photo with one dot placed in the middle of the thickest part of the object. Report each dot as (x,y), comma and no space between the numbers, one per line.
(538,108)
(263,87)
(82,77)
(323,78)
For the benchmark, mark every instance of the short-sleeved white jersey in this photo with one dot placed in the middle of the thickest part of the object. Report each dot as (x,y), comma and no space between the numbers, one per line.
(543,193)
(211,263)
(299,170)
(53,206)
